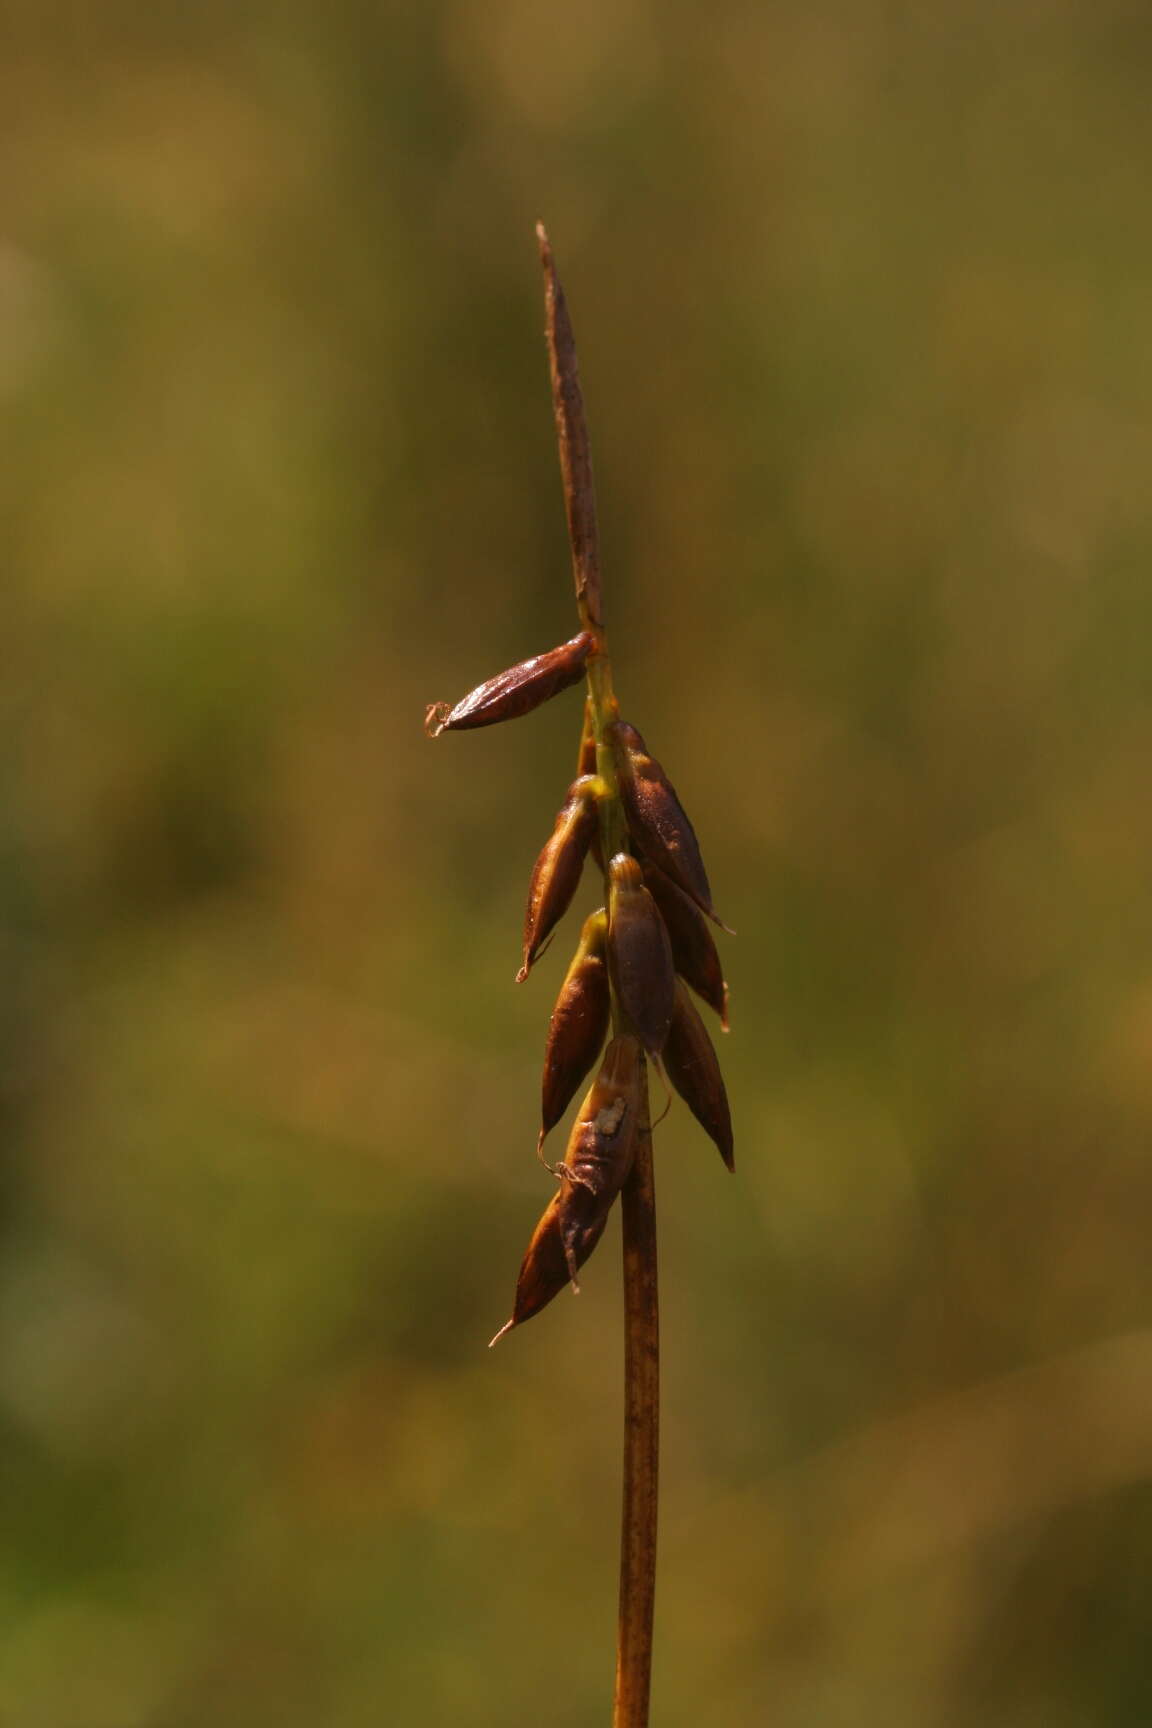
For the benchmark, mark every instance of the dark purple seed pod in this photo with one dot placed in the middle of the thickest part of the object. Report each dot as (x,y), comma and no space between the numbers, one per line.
(595,1168)
(639,954)
(656,818)
(579,1023)
(572,1225)
(691,1065)
(693,950)
(556,872)
(514,692)
(603,1137)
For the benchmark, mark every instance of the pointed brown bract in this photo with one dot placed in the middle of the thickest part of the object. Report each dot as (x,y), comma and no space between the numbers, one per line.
(579,1023)
(693,950)
(556,872)
(656,818)
(571,438)
(639,954)
(572,1225)
(691,1065)
(514,692)
(595,1168)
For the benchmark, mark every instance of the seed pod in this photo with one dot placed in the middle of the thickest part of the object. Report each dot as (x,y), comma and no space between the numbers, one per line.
(514,692)
(693,950)
(599,1154)
(656,818)
(579,1023)
(556,872)
(639,954)
(594,1170)
(586,764)
(691,1065)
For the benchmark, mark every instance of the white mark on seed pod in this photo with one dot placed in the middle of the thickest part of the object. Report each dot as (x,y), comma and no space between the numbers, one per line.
(609,1117)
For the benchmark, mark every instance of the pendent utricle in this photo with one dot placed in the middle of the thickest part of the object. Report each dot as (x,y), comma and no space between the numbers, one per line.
(656,818)
(691,1064)
(578,1025)
(515,691)
(556,872)
(694,952)
(639,954)
(595,1168)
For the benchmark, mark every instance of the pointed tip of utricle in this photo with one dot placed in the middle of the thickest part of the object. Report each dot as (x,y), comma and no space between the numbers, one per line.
(507,1327)
(434,717)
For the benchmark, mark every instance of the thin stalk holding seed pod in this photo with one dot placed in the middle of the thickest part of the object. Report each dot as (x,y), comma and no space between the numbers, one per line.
(627,983)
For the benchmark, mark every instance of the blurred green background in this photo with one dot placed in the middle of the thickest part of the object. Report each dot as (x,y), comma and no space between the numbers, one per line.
(862,294)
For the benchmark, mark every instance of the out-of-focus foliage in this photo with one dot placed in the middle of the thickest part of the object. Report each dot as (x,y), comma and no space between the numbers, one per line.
(862,297)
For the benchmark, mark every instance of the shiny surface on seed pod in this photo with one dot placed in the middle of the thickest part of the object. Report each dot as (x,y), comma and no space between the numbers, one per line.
(639,954)
(514,692)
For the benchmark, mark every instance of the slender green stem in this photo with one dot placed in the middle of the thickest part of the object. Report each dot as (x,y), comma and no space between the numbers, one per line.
(638,1197)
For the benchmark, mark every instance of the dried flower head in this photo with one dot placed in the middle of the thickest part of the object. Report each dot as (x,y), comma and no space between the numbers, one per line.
(624,998)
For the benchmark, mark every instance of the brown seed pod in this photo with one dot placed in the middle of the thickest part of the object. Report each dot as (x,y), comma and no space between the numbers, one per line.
(556,872)
(656,818)
(691,1065)
(693,950)
(572,1225)
(579,1023)
(514,692)
(599,1154)
(594,1170)
(639,954)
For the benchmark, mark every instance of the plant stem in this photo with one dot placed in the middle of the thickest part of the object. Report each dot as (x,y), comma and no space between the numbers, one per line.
(641,1441)
(638,1197)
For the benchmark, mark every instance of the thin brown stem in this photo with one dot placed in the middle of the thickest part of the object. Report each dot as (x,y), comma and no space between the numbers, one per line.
(641,1442)
(638,1198)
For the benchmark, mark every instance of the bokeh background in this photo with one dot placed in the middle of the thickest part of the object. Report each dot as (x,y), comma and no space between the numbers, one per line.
(862,293)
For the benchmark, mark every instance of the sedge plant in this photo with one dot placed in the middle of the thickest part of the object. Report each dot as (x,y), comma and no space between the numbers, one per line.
(628,999)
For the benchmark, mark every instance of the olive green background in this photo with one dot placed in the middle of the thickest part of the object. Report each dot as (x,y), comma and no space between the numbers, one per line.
(862,295)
